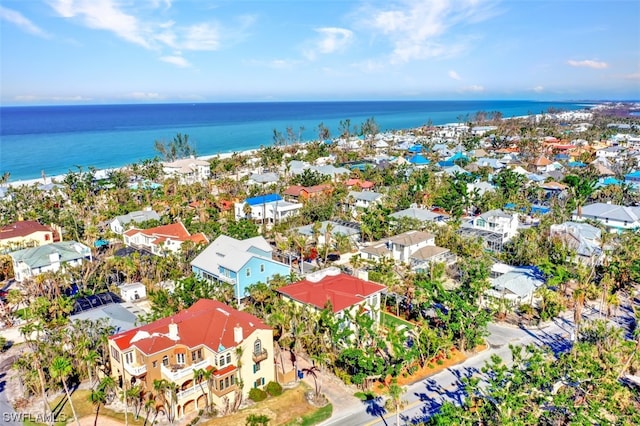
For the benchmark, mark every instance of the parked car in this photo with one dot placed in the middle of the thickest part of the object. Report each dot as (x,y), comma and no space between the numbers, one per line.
(332,257)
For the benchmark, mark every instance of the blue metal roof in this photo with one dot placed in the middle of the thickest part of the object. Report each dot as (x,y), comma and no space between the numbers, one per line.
(261,199)
(419,159)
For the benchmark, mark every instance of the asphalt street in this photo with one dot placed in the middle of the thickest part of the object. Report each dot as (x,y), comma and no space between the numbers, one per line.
(424,398)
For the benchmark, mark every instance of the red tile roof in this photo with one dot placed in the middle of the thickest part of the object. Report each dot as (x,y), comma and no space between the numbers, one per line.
(207,322)
(342,290)
(22,228)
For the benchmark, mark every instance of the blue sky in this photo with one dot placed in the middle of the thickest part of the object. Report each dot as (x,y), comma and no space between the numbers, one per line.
(106,51)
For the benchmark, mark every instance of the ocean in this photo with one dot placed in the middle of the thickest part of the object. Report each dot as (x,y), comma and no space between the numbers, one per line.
(57,139)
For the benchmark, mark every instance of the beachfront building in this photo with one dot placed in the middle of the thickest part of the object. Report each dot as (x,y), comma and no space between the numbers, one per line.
(31,262)
(120,223)
(347,295)
(614,217)
(209,336)
(241,263)
(162,239)
(25,234)
(268,208)
(187,170)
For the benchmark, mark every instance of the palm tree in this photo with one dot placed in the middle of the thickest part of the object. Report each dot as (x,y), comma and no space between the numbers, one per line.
(395,392)
(314,372)
(150,406)
(60,368)
(97,398)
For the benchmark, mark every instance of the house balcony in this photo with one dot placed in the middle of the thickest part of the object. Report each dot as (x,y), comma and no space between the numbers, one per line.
(135,370)
(191,392)
(178,372)
(259,356)
(223,392)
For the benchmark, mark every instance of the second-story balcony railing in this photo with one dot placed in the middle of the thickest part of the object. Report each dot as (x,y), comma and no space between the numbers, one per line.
(135,370)
(176,373)
(259,356)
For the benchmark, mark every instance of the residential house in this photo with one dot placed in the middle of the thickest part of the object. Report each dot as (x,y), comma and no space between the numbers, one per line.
(347,295)
(349,229)
(583,239)
(119,224)
(238,262)
(187,170)
(364,185)
(162,239)
(30,262)
(299,193)
(270,208)
(133,291)
(364,199)
(542,164)
(119,314)
(515,285)
(416,248)
(422,215)
(495,227)
(209,336)
(26,233)
(614,217)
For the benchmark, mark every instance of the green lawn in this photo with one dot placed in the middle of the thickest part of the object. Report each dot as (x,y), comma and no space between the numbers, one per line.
(320,415)
(393,321)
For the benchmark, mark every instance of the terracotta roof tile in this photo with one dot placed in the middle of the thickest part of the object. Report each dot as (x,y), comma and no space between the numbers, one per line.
(342,290)
(207,322)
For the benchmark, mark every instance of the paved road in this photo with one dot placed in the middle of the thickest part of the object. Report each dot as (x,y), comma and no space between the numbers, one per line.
(8,416)
(425,397)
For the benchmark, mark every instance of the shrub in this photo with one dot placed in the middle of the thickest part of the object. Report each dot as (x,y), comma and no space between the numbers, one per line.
(257,395)
(273,389)
(440,361)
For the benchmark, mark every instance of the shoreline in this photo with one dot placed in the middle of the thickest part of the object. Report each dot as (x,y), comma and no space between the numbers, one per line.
(102,173)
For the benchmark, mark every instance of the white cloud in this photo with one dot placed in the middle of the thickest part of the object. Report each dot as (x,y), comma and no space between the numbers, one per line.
(417,28)
(588,63)
(472,89)
(144,96)
(200,37)
(176,60)
(634,76)
(34,98)
(21,22)
(538,89)
(332,39)
(104,15)
(454,75)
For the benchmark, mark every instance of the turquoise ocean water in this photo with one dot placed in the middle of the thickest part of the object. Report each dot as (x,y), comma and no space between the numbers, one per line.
(56,139)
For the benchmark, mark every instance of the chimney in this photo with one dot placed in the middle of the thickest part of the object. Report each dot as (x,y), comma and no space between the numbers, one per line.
(173,331)
(237,334)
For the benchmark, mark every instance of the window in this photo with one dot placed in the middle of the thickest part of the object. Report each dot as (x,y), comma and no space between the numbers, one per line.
(221,386)
(259,382)
(221,362)
(180,358)
(229,358)
(256,367)
(196,355)
(226,382)
(262,267)
(165,360)
(128,357)
(257,347)
(248,271)
(115,354)
(155,364)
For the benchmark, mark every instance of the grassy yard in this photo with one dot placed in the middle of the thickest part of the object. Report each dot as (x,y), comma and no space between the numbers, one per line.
(290,408)
(393,321)
(84,408)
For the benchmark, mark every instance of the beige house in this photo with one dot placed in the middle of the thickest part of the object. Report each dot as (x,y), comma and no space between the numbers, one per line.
(236,347)
(25,234)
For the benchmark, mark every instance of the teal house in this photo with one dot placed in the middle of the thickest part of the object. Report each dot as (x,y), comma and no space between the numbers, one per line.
(238,262)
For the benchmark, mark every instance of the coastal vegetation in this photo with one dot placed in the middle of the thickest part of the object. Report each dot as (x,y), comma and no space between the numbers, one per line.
(429,312)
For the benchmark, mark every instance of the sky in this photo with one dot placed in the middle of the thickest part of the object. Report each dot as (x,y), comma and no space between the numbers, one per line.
(122,51)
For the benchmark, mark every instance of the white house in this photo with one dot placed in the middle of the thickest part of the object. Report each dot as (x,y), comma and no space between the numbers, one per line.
(516,285)
(365,199)
(133,291)
(399,247)
(271,208)
(584,239)
(30,262)
(614,217)
(495,227)
(119,223)
(187,170)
